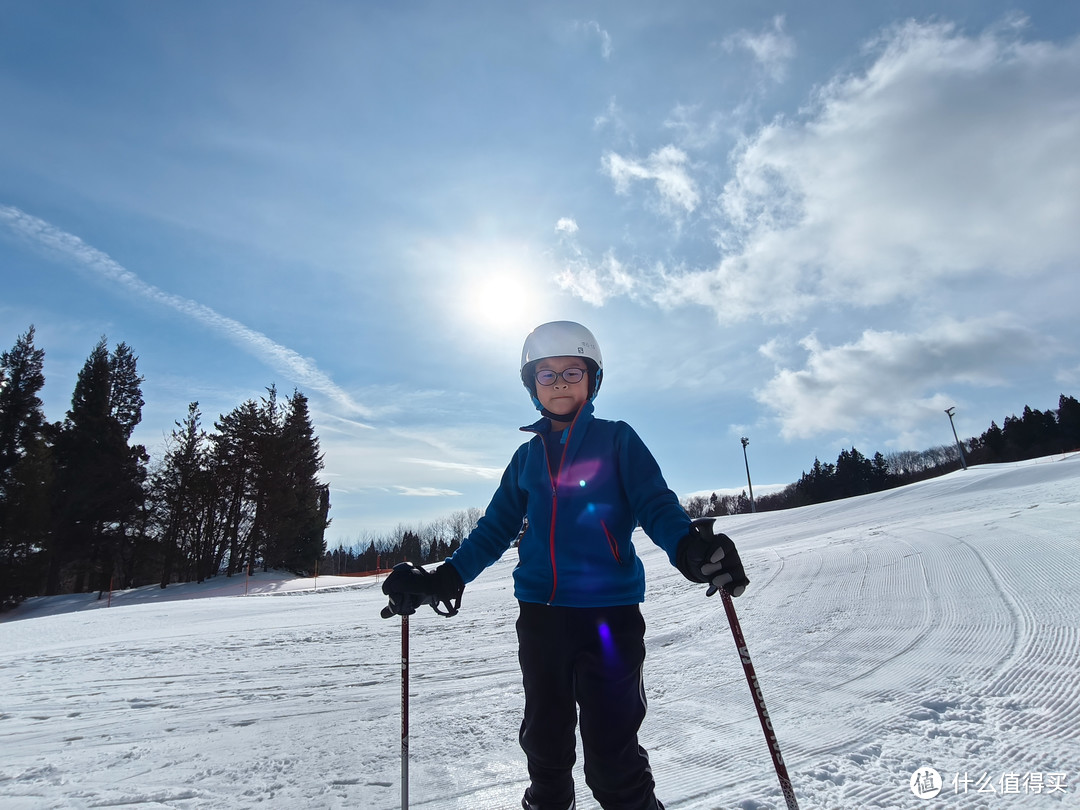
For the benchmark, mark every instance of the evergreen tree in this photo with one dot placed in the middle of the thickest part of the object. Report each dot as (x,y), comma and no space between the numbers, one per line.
(234,458)
(99,478)
(21,416)
(27,521)
(879,473)
(300,515)
(411,547)
(266,460)
(854,474)
(25,469)
(177,486)
(994,441)
(125,390)
(271,491)
(1068,419)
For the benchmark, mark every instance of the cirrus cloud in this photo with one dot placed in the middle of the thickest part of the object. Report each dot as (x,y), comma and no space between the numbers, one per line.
(282,359)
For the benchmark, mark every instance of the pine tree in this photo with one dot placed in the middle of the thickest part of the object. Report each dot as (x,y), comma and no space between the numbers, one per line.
(25,469)
(879,474)
(1068,418)
(266,460)
(304,523)
(177,486)
(21,416)
(853,474)
(234,459)
(99,477)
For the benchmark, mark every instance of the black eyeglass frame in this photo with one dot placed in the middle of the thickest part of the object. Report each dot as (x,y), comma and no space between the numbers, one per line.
(573,371)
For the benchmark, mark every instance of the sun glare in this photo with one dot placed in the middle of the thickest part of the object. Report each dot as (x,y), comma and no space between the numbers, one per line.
(497,300)
(501,299)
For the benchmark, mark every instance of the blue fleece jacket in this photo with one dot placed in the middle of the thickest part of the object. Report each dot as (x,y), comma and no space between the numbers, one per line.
(577,550)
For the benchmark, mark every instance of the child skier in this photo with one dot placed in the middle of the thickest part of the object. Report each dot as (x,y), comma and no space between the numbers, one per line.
(584,484)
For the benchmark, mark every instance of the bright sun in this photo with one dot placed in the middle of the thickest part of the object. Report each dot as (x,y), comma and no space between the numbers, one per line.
(501,299)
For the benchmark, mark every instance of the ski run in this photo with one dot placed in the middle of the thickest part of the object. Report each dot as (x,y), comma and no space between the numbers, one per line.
(936,626)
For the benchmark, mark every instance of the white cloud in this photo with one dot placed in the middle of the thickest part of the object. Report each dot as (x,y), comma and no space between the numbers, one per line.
(666,166)
(950,160)
(594,28)
(302,370)
(566,225)
(772,49)
(772,349)
(951,156)
(892,379)
(425,492)
(488,473)
(596,283)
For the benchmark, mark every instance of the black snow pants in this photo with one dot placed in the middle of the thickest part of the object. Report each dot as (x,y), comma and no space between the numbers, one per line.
(587,659)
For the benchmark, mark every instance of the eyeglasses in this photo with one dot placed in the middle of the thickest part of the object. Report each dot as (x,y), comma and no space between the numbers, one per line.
(570,376)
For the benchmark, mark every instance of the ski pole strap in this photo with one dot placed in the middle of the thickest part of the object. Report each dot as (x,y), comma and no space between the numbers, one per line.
(452,606)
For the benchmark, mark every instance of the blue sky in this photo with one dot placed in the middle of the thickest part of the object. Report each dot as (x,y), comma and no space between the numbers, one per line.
(815,226)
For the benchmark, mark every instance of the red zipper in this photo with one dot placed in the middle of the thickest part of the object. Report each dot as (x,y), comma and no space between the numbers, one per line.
(612,543)
(554,506)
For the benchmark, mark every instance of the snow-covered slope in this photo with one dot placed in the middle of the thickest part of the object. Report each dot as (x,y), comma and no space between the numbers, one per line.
(936,625)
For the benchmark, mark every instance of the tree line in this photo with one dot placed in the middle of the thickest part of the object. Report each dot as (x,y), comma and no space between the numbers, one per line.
(83,509)
(427,543)
(1033,434)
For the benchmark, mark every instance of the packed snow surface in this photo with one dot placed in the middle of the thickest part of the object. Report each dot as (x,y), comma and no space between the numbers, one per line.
(933,626)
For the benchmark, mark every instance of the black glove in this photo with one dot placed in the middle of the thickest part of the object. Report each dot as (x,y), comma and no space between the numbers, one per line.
(705,556)
(409,586)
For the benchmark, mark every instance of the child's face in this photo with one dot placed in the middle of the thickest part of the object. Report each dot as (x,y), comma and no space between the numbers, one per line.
(562,397)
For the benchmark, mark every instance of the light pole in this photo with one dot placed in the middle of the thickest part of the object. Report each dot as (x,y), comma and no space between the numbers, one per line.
(745,441)
(960,447)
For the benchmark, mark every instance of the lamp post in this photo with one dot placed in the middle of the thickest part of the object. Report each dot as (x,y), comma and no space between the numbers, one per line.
(745,441)
(960,447)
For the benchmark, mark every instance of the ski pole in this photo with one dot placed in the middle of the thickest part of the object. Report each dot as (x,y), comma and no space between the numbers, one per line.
(759,702)
(404,711)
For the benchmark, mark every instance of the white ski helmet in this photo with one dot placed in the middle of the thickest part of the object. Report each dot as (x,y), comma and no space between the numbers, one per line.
(561,339)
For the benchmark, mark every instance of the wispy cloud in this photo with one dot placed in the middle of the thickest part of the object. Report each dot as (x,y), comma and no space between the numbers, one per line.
(667,167)
(301,370)
(612,121)
(459,467)
(425,492)
(694,127)
(772,48)
(594,28)
(596,282)
(566,225)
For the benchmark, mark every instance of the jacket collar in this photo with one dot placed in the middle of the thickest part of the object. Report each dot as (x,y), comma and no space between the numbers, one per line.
(543,426)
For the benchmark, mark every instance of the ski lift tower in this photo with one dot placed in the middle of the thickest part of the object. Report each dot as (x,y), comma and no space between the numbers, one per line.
(960,447)
(745,441)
